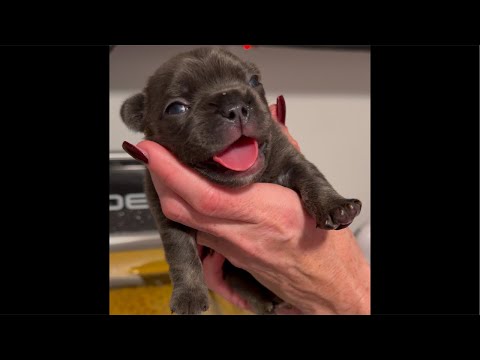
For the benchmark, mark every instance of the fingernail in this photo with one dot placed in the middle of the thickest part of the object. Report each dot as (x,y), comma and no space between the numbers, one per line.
(135,152)
(281,109)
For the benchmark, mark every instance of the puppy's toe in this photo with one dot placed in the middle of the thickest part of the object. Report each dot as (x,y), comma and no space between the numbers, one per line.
(339,215)
(344,212)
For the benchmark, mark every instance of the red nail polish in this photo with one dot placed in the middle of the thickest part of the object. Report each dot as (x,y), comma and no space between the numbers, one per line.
(134,152)
(281,109)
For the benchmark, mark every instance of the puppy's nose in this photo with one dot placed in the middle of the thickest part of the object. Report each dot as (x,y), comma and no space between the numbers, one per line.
(235,112)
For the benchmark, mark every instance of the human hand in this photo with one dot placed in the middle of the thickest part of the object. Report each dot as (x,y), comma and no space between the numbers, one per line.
(264,229)
(213,261)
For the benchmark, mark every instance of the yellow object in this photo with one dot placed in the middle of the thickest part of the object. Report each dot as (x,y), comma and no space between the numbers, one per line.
(153,297)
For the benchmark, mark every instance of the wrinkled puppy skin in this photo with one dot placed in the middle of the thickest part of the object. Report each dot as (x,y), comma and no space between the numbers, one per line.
(196,105)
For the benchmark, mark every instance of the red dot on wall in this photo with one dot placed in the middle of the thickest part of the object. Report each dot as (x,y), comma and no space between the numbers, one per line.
(247,47)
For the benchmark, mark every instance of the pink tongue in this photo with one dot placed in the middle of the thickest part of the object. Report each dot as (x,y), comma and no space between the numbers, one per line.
(239,156)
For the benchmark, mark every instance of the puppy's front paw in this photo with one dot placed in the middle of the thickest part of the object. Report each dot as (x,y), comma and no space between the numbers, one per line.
(191,301)
(339,214)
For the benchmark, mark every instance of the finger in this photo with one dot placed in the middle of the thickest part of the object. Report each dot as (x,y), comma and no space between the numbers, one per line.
(233,244)
(205,197)
(213,272)
(281,110)
(203,251)
(273,111)
(210,240)
(178,210)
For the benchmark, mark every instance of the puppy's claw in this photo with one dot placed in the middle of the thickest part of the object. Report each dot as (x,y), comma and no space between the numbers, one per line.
(340,215)
(329,225)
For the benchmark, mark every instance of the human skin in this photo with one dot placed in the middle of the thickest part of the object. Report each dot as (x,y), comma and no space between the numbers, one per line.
(264,229)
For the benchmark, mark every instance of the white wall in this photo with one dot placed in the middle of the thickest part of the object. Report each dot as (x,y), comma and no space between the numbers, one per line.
(327,93)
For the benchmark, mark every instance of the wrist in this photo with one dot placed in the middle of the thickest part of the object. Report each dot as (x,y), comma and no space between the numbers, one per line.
(357,300)
(340,283)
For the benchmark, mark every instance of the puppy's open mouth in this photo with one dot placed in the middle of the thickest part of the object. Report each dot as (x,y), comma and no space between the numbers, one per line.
(239,156)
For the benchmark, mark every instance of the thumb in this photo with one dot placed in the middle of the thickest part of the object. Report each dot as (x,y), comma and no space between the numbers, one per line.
(274,111)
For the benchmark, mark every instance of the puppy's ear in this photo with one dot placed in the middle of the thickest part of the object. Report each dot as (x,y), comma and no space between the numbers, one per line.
(132,112)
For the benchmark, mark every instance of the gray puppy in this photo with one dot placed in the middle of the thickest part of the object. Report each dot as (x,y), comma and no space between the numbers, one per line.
(208,107)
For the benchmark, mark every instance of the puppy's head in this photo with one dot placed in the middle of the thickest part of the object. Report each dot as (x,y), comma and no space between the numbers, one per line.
(208,108)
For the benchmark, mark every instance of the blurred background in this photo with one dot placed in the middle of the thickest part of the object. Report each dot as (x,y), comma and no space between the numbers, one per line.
(327,94)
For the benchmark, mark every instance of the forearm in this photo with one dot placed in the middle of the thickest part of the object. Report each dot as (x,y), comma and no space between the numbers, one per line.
(337,276)
(326,274)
